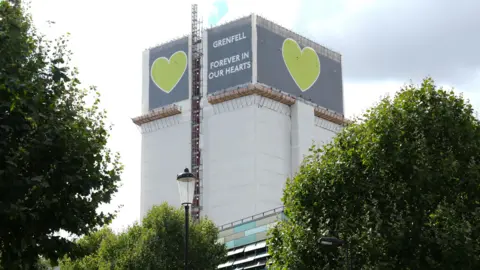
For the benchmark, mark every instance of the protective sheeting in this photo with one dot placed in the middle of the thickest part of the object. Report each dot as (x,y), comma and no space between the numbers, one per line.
(324,131)
(165,152)
(246,154)
(250,146)
(301,132)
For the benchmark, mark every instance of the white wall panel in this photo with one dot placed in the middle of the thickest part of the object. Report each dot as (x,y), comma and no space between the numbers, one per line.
(246,158)
(273,157)
(325,132)
(302,132)
(228,163)
(165,152)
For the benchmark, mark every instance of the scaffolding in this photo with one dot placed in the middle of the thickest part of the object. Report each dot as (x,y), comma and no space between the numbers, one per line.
(251,89)
(157,114)
(331,116)
(276,95)
(196,57)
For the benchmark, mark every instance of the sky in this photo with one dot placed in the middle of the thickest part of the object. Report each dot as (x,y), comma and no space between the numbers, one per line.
(385,44)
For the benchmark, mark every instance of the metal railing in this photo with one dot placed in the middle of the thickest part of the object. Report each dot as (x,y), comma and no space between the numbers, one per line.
(251,218)
(285,32)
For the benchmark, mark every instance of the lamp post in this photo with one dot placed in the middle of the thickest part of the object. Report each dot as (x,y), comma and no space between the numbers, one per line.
(335,242)
(186,188)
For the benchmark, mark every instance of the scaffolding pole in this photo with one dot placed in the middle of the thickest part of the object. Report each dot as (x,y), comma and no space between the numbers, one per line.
(197,54)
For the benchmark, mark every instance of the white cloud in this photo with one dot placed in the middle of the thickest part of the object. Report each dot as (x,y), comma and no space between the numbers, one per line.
(358,97)
(399,40)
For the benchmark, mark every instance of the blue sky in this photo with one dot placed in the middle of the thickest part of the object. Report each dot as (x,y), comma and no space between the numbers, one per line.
(384,44)
(220,10)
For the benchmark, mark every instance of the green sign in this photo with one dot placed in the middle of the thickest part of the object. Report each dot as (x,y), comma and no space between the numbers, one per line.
(303,65)
(166,73)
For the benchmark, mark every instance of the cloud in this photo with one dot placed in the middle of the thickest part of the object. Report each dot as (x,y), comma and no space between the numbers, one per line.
(359,96)
(400,40)
(219,11)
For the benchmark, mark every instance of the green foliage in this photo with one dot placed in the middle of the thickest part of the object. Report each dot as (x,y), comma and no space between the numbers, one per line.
(43,264)
(89,245)
(402,186)
(158,243)
(55,168)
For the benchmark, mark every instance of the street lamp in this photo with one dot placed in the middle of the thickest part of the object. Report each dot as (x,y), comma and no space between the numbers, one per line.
(186,189)
(335,242)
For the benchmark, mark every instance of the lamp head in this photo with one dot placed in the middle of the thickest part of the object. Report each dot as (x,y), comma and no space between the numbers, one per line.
(186,186)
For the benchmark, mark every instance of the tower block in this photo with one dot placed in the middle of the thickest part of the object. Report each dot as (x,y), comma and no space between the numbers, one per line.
(240,104)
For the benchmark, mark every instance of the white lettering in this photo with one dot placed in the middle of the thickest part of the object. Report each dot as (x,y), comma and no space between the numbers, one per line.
(215,74)
(225,61)
(229,40)
(229,70)
(229,65)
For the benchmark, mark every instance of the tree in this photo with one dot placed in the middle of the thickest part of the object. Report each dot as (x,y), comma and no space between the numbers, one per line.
(55,168)
(401,185)
(157,243)
(90,245)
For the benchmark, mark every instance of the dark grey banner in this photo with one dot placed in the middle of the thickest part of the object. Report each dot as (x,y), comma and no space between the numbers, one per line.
(229,55)
(168,73)
(286,65)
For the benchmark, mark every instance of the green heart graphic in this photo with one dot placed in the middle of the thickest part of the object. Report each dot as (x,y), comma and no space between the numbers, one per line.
(166,73)
(303,65)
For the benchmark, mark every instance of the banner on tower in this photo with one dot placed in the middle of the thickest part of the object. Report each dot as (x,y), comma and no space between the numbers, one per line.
(284,60)
(286,63)
(229,55)
(168,73)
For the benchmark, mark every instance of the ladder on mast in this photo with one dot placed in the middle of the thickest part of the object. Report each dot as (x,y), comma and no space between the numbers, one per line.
(196,62)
